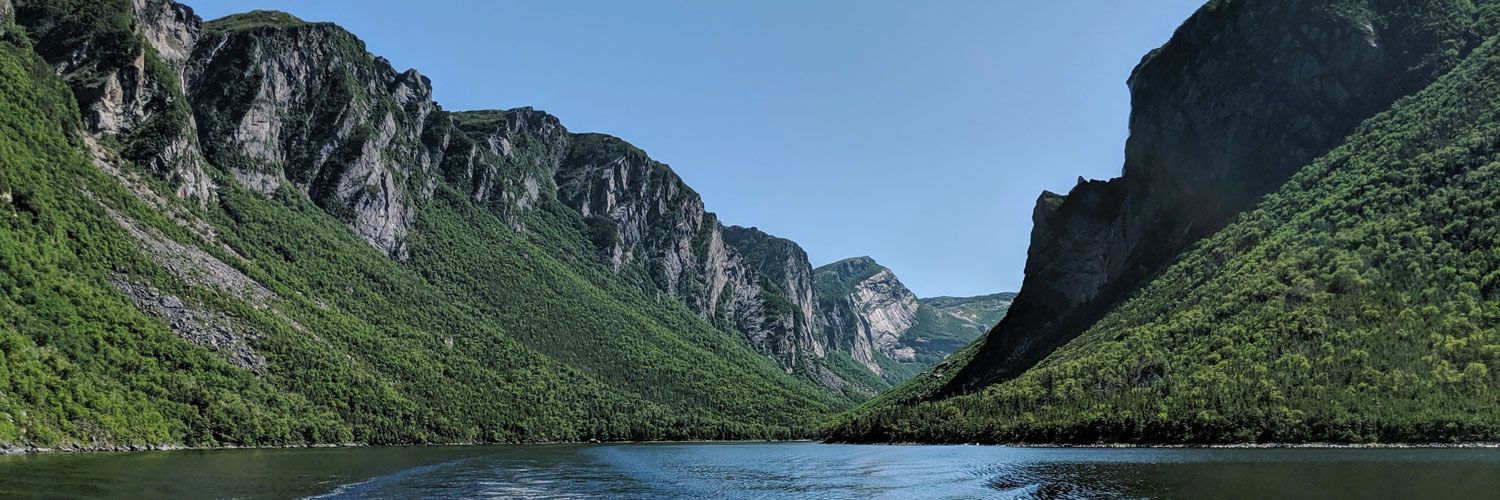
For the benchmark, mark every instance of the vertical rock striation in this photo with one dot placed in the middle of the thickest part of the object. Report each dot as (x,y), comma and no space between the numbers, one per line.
(652,227)
(865,311)
(125,62)
(286,107)
(282,102)
(774,306)
(505,160)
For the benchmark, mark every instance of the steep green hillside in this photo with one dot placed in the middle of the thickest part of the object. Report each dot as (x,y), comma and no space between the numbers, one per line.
(130,315)
(1355,304)
(79,362)
(1244,94)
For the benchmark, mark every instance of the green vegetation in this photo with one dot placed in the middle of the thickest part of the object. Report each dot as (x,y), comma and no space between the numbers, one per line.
(1355,304)
(105,31)
(482,334)
(79,363)
(252,20)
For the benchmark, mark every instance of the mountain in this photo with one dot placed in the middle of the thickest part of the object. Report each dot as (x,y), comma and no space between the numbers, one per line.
(251,231)
(957,321)
(864,310)
(1350,304)
(1242,96)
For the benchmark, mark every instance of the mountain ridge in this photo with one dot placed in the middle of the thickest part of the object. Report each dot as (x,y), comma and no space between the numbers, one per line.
(264,248)
(865,309)
(1216,122)
(1349,305)
(279,239)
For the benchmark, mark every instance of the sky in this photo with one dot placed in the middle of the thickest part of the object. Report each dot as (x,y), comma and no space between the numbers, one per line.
(919,133)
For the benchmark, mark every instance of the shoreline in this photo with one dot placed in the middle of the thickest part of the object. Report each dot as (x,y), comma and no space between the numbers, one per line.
(35,450)
(139,448)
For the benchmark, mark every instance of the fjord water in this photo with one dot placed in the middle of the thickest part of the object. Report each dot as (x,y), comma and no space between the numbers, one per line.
(760,470)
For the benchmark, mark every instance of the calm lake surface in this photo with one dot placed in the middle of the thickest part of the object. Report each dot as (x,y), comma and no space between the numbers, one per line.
(759,470)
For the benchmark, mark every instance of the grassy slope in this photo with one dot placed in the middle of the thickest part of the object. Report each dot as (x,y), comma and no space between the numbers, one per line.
(483,336)
(1355,304)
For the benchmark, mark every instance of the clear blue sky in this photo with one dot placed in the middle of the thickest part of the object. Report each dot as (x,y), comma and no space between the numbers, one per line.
(919,133)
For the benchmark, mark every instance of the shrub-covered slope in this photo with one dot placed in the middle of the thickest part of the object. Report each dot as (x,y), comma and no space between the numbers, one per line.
(1357,303)
(161,296)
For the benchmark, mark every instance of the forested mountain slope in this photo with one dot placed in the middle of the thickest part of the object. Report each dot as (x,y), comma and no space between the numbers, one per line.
(1356,303)
(253,232)
(1243,95)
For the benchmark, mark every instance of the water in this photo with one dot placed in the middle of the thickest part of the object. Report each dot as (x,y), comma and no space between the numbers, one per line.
(760,470)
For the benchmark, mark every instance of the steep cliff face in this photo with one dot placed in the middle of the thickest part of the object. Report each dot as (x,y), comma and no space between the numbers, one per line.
(281,102)
(651,226)
(777,312)
(865,311)
(505,160)
(125,62)
(1355,303)
(659,223)
(1242,95)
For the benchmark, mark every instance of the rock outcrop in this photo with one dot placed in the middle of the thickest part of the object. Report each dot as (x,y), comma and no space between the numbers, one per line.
(865,311)
(653,228)
(281,102)
(1242,95)
(127,77)
(505,160)
(774,306)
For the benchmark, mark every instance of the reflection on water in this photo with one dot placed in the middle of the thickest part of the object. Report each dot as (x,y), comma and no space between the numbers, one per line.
(761,470)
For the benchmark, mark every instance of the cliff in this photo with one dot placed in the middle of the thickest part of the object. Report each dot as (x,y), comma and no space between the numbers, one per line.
(1352,305)
(865,311)
(252,231)
(1243,95)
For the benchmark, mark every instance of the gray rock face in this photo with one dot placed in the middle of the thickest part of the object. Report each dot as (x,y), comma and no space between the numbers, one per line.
(506,160)
(286,106)
(217,332)
(864,309)
(131,92)
(1243,95)
(651,226)
(169,28)
(281,101)
(778,316)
